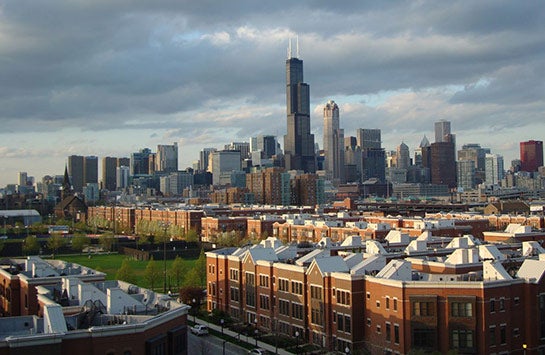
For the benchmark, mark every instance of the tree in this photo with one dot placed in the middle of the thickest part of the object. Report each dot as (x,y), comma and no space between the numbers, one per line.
(55,242)
(178,271)
(193,279)
(152,274)
(192,236)
(125,272)
(106,241)
(197,275)
(80,241)
(31,245)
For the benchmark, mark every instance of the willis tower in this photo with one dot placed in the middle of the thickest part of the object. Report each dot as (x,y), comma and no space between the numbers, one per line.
(298,142)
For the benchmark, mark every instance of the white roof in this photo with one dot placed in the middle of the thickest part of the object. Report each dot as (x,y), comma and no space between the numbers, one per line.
(266,254)
(396,270)
(331,264)
(375,262)
(532,270)
(494,270)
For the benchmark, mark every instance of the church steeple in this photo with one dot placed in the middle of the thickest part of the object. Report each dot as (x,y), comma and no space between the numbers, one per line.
(66,186)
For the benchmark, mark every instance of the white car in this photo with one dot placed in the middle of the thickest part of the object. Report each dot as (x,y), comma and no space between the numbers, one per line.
(199,329)
(258,351)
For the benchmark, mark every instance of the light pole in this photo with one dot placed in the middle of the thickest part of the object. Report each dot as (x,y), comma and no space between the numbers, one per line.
(194,310)
(524,346)
(165,227)
(256,332)
(297,342)
(347,350)
(223,346)
(221,321)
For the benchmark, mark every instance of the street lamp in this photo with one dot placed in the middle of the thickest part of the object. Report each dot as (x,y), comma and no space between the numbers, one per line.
(223,346)
(297,339)
(256,332)
(165,227)
(221,321)
(347,350)
(194,310)
(524,346)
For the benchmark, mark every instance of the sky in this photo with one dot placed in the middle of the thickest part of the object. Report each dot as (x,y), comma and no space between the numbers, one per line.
(110,77)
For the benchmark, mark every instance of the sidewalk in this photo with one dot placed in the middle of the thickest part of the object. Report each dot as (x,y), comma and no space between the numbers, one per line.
(250,340)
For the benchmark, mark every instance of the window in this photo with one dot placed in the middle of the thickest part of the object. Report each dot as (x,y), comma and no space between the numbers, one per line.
(378,304)
(368,322)
(395,304)
(347,324)
(492,306)
(517,301)
(343,297)
(316,292)
(422,309)
(388,332)
(461,309)
(387,302)
(492,335)
(378,329)
(502,304)
(503,334)
(264,302)
(233,274)
(461,338)
(234,294)
(250,279)
(264,280)
(340,322)
(297,310)
(368,295)
(396,333)
(284,307)
(283,285)
(297,287)
(316,316)
(424,338)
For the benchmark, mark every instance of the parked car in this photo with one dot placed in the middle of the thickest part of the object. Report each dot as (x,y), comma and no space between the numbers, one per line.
(258,351)
(199,329)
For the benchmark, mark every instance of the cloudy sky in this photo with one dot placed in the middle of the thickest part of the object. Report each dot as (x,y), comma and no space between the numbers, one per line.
(109,77)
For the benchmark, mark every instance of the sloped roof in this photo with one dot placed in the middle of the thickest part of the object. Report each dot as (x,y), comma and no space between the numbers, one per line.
(266,254)
(397,270)
(532,270)
(330,264)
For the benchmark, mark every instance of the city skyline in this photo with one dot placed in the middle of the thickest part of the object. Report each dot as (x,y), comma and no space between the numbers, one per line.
(110,79)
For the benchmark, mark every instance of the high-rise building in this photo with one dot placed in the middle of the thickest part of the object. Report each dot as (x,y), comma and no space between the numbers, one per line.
(269,186)
(122,176)
(299,152)
(265,144)
(494,170)
(443,164)
(22,178)
(76,172)
(166,160)
(90,170)
(140,162)
(223,163)
(204,158)
(403,157)
(369,138)
(465,174)
(442,129)
(333,143)
(531,155)
(109,166)
(242,147)
(374,164)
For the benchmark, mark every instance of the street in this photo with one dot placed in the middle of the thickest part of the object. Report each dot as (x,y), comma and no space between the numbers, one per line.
(209,344)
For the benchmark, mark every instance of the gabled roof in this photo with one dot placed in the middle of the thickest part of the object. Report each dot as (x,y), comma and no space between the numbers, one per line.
(260,253)
(372,263)
(397,270)
(315,254)
(330,264)
(494,270)
(532,270)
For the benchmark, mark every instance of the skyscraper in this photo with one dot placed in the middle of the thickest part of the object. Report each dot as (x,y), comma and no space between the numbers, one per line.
(531,155)
(204,158)
(442,129)
(333,143)
(167,158)
(298,142)
(90,170)
(369,138)
(494,169)
(75,170)
(109,165)
(140,162)
(443,164)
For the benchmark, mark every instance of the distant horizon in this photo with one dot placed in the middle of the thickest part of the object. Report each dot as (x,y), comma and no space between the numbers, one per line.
(108,79)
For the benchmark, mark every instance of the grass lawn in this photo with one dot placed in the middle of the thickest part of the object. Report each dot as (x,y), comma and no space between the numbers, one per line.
(110,263)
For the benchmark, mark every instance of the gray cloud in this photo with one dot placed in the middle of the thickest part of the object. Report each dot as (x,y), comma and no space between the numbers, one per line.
(211,68)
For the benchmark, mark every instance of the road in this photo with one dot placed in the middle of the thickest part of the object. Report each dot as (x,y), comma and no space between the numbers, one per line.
(209,344)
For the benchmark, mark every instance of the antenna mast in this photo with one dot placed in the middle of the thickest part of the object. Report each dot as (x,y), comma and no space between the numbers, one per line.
(297,44)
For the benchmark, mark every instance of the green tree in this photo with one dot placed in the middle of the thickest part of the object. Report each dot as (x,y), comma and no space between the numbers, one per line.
(125,272)
(31,245)
(199,270)
(106,241)
(152,274)
(192,236)
(80,242)
(178,271)
(55,242)
(193,279)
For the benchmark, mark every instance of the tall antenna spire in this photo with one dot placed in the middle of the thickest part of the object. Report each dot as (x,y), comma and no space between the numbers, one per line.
(289,48)
(297,51)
